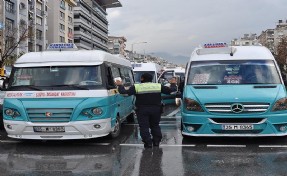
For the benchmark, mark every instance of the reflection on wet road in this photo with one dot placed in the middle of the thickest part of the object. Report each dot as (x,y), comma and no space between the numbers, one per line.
(127,156)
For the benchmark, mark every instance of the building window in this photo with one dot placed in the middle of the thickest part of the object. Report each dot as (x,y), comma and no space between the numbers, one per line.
(62,39)
(39,21)
(39,6)
(39,34)
(9,24)
(62,16)
(70,8)
(39,48)
(70,41)
(62,4)
(70,20)
(62,27)
(9,6)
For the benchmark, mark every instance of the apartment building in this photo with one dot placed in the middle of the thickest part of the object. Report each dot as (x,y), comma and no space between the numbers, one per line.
(280,31)
(91,24)
(117,45)
(266,38)
(24,16)
(246,40)
(61,21)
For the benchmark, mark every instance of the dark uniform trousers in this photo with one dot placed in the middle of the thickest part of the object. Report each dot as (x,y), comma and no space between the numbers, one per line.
(149,118)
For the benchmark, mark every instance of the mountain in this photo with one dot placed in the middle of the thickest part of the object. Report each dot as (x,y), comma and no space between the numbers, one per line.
(179,59)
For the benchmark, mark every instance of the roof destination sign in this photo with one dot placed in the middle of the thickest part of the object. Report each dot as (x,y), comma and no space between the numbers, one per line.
(62,46)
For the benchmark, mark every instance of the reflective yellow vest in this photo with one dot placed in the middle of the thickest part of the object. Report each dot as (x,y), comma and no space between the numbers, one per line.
(148,88)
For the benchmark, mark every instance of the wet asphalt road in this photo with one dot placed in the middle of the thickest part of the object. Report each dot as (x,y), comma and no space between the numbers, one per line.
(126,155)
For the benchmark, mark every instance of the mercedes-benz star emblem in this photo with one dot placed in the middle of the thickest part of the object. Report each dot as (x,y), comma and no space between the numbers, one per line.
(237,108)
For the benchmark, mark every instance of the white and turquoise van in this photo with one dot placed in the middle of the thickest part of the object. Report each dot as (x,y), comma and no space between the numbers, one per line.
(233,91)
(55,95)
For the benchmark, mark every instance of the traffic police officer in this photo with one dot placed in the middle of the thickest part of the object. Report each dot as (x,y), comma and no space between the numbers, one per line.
(148,107)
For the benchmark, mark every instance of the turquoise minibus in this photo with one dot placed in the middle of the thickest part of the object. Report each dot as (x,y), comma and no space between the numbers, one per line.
(233,91)
(65,93)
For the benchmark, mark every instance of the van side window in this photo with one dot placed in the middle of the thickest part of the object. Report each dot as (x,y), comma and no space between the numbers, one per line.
(115,72)
(131,75)
(110,77)
(126,76)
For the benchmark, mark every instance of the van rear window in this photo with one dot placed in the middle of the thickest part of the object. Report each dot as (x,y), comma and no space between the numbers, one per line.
(233,72)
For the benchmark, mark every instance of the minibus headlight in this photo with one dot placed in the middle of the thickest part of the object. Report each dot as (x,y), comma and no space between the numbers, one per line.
(280,105)
(12,112)
(97,111)
(192,105)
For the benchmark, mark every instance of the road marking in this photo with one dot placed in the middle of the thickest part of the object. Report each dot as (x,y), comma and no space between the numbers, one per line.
(9,141)
(270,146)
(173,112)
(225,145)
(162,145)
(159,124)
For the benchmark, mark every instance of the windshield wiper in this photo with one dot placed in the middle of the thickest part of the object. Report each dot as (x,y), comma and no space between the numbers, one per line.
(71,86)
(24,86)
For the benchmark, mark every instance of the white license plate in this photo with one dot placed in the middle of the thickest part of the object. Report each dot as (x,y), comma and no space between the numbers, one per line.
(50,129)
(237,127)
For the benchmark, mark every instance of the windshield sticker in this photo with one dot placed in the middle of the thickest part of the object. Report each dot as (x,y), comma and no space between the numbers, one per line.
(232,79)
(200,78)
(232,69)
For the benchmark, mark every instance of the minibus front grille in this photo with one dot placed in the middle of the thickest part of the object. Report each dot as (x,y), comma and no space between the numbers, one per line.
(237,120)
(227,107)
(237,131)
(49,114)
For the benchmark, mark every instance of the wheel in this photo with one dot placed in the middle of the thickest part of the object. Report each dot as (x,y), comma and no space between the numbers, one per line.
(117,129)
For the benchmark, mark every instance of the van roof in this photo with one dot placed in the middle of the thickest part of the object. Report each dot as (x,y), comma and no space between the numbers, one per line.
(79,57)
(239,53)
(146,67)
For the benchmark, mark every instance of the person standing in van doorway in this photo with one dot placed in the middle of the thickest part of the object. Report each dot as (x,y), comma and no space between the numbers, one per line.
(148,107)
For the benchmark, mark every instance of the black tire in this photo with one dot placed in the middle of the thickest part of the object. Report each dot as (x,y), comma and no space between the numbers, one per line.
(117,129)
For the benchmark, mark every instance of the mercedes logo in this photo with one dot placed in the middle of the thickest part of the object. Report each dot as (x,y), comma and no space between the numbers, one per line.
(237,108)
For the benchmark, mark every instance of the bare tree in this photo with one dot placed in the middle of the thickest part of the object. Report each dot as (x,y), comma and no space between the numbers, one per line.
(13,38)
(281,54)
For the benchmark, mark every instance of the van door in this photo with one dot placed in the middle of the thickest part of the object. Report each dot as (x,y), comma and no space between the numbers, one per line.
(164,80)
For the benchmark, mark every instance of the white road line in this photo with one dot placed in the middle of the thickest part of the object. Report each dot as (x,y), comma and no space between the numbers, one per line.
(9,141)
(162,145)
(274,146)
(159,124)
(226,145)
(174,112)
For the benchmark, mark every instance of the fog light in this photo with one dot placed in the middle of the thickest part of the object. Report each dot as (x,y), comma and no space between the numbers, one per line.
(9,127)
(97,126)
(190,128)
(282,128)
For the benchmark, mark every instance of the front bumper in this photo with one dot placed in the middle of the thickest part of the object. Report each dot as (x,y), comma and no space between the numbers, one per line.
(73,130)
(203,125)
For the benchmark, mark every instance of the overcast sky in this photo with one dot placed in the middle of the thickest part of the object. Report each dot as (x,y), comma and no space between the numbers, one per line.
(178,26)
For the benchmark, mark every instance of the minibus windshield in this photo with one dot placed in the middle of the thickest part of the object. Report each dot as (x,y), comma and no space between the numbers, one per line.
(233,72)
(56,78)
(138,74)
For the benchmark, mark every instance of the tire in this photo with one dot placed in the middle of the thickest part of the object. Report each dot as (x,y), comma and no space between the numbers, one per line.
(117,129)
